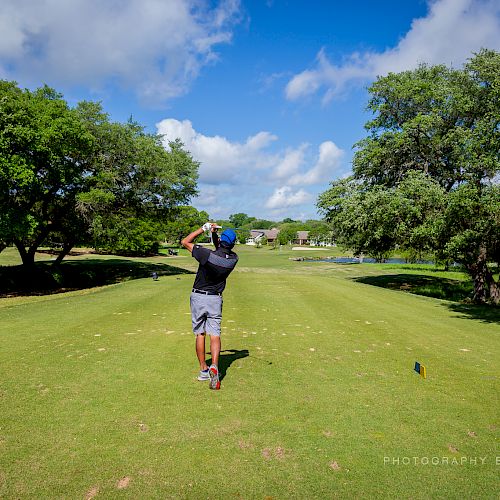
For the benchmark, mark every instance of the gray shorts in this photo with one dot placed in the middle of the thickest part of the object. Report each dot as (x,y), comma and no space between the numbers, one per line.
(206,313)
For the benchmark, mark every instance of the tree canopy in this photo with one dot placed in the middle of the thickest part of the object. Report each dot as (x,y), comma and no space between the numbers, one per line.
(240,219)
(72,175)
(426,176)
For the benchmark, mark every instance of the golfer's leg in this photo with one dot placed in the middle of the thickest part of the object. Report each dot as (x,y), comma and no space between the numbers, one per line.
(215,349)
(214,318)
(200,350)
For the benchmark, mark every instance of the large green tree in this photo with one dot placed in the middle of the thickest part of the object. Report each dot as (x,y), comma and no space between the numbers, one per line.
(75,176)
(240,219)
(426,176)
(42,147)
(134,182)
(260,224)
(288,232)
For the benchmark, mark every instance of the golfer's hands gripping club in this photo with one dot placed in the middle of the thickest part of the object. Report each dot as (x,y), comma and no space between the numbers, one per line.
(210,227)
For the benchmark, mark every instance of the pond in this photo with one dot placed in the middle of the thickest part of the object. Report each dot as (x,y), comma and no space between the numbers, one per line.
(364,260)
(369,260)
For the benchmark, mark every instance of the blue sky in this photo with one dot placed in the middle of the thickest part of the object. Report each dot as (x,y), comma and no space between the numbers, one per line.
(269,95)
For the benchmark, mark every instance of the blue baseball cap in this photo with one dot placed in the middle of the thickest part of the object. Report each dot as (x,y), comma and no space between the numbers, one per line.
(228,237)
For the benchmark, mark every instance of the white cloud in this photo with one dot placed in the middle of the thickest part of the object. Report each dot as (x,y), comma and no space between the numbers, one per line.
(328,163)
(450,32)
(290,163)
(222,161)
(155,47)
(284,197)
(307,82)
(256,176)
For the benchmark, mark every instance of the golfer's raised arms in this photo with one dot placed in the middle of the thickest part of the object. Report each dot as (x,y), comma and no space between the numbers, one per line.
(187,242)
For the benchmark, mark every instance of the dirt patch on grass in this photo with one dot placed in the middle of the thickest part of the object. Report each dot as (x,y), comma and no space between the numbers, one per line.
(452,448)
(278,453)
(92,493)
(335,465)
(123,483)
(42,389)
(244,445)
(143,427)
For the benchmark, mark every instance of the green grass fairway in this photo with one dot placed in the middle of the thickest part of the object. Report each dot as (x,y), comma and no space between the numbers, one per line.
(99,398)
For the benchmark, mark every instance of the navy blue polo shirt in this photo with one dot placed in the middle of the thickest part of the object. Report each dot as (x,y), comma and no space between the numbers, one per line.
(215,266)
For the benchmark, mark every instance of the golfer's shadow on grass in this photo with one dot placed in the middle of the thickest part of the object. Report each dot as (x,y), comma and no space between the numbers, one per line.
(225,360)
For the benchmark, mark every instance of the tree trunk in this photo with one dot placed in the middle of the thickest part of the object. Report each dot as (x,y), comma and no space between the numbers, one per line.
(495,293)
(28,255)
(485,288)
(28,258)
(65,250)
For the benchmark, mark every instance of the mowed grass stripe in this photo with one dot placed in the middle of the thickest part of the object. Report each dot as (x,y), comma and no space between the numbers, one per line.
(82,411)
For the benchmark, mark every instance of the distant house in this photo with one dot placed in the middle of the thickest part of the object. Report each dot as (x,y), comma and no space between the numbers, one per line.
(302,238)
(325,240)
(254,237)
(257,235)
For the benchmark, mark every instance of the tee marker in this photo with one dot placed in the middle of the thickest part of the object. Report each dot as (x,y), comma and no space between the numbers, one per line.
(420,369)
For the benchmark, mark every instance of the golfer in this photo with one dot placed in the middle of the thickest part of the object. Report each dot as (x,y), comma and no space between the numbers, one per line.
(206,297)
